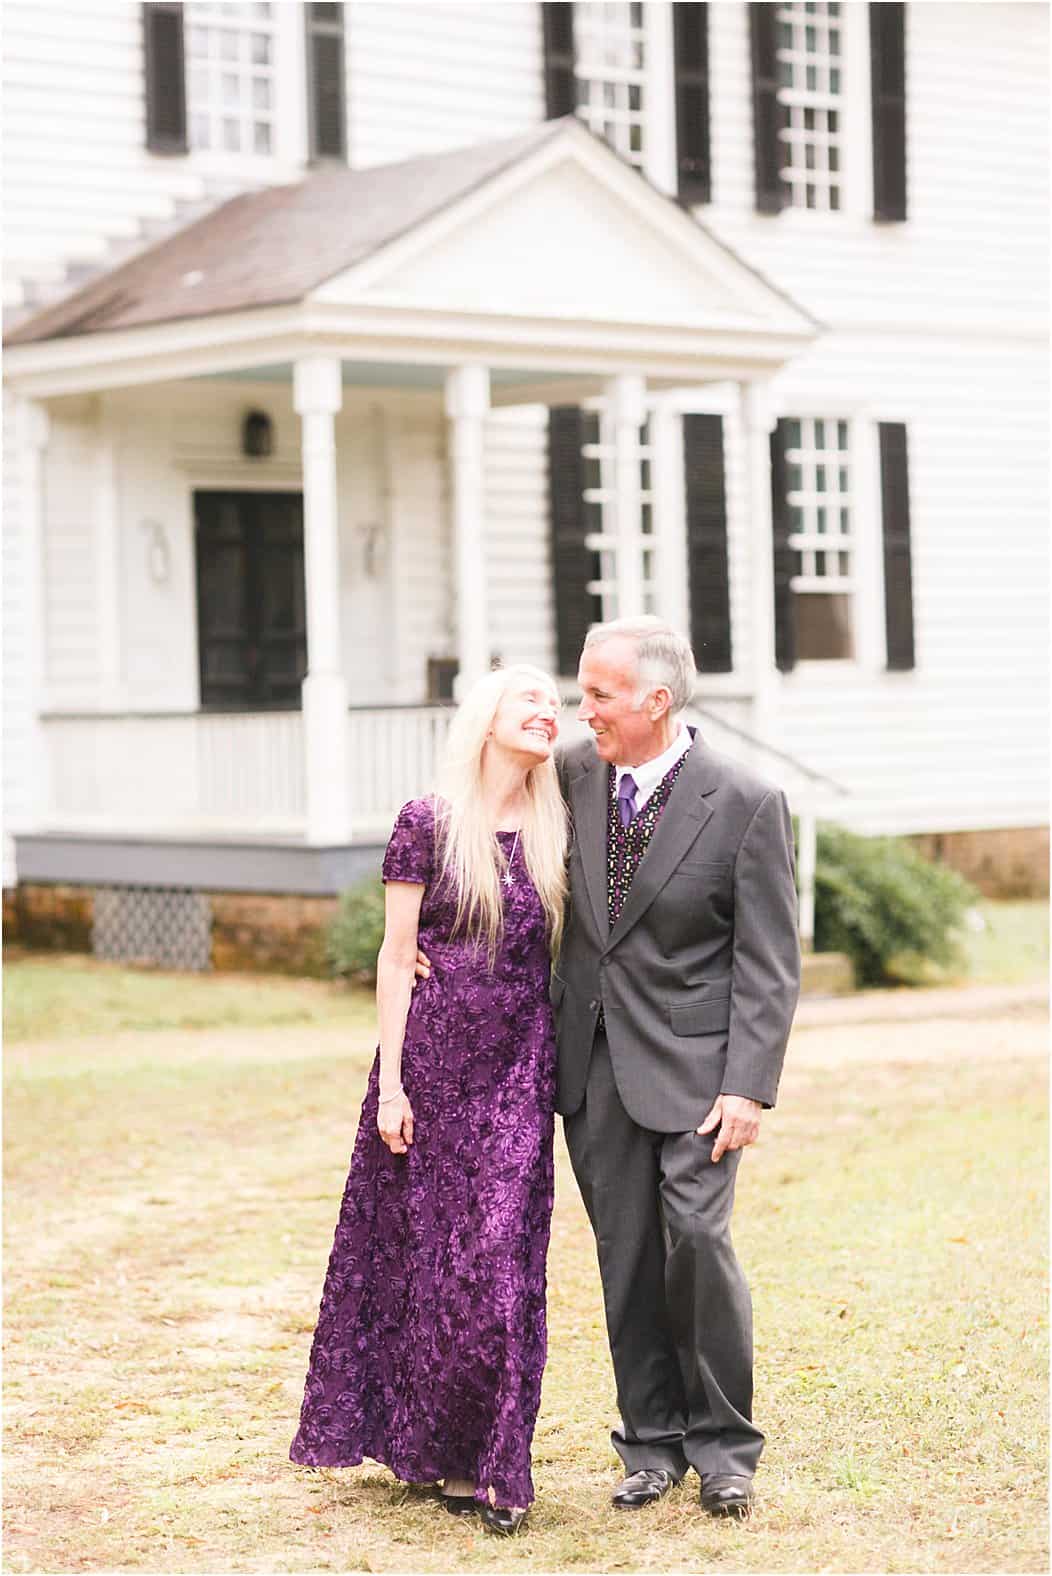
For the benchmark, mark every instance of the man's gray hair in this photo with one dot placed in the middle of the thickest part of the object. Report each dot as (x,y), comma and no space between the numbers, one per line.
(664,655)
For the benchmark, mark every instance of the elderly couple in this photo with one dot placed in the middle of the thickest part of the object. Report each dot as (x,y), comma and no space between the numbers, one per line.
(641,886)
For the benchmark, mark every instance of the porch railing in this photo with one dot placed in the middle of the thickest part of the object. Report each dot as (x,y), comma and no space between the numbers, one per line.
(177,772)
(242,774)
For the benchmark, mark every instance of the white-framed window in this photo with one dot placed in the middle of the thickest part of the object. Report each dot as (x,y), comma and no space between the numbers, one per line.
(232,79)
(811,86)
(610,48)
(600,481)
(819,483)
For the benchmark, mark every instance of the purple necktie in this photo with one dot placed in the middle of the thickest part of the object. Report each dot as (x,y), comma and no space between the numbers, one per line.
(626,798)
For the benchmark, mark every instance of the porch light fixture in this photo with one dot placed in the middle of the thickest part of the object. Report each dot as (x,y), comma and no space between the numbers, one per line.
(257,435)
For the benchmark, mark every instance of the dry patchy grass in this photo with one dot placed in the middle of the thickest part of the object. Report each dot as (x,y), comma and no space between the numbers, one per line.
(171,1200)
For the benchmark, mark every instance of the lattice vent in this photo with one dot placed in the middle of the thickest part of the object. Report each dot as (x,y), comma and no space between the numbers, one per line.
(162,925)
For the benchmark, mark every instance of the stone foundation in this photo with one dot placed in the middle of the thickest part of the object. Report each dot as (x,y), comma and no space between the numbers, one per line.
(1008,863)
(277,934)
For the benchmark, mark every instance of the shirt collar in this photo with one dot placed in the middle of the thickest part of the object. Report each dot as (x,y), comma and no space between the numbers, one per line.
(649,774)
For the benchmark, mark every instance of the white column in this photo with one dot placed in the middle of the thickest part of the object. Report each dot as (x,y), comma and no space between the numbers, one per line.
(670,516)
(757,422)
(108,576)
(626,396)
(467,405)
(32,428)
(318,396)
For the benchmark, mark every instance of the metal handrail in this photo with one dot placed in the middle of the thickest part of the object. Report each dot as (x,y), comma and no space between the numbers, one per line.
(780,755)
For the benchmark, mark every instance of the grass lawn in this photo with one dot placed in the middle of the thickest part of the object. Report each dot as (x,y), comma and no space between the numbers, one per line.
(70,994)
(1012,948)
(170,1205)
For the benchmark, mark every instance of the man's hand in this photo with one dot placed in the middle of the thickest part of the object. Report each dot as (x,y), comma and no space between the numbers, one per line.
(423,965)
(739,1123)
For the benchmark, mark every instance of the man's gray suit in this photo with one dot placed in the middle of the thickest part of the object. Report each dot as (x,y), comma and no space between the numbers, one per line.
(697,981)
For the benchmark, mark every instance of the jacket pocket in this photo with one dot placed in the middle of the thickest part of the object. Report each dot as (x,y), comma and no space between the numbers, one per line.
(712,1015)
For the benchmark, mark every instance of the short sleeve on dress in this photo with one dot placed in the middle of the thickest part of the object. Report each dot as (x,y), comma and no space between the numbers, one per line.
(410,851)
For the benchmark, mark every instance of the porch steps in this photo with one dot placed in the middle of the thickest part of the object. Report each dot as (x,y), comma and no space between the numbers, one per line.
(827,974)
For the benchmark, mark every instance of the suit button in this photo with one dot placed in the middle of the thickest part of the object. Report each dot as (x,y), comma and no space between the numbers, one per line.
(603,962)
(593,1006)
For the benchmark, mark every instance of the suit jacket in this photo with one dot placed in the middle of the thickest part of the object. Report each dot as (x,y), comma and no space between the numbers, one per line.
(700,976)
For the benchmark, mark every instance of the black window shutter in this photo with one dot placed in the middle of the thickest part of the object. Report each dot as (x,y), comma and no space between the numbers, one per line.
(572,566)
(769,114)
(690,44)
(560,86)
(165,70)
(898,568)
(784,610)
(887,64)
(326,110)
(710,606)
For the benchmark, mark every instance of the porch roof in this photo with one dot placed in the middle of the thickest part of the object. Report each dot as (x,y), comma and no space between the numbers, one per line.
(547,239)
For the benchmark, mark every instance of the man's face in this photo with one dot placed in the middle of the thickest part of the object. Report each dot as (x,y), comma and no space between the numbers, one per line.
(609,680)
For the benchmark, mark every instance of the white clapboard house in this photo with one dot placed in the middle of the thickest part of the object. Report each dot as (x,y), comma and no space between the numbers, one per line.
(349,348)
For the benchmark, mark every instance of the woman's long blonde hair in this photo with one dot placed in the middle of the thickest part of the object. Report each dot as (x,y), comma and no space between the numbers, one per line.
(472,859)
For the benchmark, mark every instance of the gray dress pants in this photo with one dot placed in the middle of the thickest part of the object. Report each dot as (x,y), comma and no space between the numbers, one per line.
(678,1309)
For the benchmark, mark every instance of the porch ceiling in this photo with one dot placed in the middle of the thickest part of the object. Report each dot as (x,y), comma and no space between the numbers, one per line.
(545,253)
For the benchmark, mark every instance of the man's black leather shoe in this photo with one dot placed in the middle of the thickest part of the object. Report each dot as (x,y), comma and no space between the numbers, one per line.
(642,1488)
(726,1494)
(501,1519)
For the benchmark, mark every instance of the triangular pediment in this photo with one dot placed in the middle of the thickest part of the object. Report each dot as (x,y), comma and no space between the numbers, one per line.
(570,233)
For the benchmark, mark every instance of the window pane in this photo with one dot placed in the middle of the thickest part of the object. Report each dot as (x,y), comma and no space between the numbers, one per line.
(823,626)
(795,478)
(231,136)
(260,49)
(792,435)
(841,434)
(820,434)
(261,137)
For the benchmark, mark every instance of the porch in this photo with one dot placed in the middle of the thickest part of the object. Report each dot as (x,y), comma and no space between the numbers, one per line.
(382,345)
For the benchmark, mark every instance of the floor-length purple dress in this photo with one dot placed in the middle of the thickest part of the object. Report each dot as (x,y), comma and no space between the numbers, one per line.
(431,1338)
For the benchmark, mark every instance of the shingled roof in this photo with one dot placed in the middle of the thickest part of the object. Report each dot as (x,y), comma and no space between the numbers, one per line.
(272,247)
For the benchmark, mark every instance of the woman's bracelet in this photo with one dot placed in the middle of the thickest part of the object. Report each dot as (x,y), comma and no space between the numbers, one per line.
(385,1099)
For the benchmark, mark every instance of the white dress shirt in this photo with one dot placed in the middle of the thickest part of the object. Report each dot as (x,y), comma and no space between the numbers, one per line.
(647,776)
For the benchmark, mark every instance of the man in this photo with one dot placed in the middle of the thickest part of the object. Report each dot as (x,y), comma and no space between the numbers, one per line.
(674,994)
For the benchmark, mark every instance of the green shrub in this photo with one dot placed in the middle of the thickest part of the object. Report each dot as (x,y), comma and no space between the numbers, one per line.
(879,900)
(354,935)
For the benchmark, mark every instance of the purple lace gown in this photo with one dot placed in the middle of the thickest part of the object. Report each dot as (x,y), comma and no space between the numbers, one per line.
(431,1338)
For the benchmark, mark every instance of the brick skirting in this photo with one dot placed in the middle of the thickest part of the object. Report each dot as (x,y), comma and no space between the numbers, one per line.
(277,934)
(283,933)
(1010,862)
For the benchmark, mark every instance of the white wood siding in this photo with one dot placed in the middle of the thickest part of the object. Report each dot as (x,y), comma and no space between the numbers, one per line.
(518,554)
(17,636)
(423,78)
(972,254)
(77,173)
(935,322)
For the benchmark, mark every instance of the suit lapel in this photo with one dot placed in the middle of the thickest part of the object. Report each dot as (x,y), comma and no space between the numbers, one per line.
(678,826)
(588,798)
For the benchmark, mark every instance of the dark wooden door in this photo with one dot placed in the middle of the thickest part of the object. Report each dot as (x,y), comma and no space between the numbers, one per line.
(251,599)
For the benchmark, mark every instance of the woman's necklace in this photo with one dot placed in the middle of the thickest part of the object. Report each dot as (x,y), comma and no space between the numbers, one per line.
(511,859)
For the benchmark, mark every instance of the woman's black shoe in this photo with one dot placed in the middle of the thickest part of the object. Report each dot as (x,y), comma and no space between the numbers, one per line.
(459,1504)
(502,1521)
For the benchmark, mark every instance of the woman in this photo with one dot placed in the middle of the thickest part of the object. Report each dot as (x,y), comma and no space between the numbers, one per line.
(431,1338)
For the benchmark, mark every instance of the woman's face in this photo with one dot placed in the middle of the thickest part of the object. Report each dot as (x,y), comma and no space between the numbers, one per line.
(526,723)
